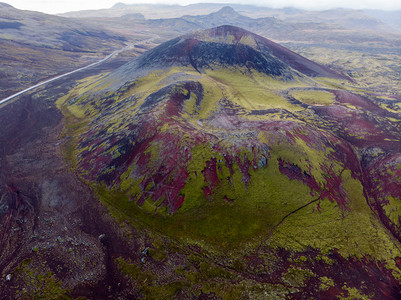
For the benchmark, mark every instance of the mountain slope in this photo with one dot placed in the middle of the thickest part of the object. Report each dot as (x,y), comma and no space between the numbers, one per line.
(254,162)
(391,18)
(34,46)
(225,46)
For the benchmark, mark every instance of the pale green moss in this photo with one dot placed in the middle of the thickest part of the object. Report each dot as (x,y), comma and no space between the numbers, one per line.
(39,282)
(326,283)
(355,233)
(297,277)
(325,259)
(307,157)
(393,209)
(312,97)
(247,92)
(354,294)
(150,286)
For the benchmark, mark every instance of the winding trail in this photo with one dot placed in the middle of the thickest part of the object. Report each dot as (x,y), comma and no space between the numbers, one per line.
(77,70)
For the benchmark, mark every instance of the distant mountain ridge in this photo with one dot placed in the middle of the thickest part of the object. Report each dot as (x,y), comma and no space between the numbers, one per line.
(3,4)
(367,19)
(393,18)
(335,26)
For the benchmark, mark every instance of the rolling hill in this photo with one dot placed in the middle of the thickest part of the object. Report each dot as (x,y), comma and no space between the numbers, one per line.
(35,46)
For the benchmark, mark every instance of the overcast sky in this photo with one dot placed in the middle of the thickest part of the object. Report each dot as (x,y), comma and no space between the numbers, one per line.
(58,6)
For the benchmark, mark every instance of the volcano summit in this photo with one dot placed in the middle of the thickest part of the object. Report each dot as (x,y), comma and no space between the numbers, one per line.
(229,46)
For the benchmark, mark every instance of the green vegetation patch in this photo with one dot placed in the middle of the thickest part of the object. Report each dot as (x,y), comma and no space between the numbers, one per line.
(39,282)
(326,283)
(314,97)
(253,91)
(219,222)
(310,157)
(353,294)
(297,277)
(354,233)
(147,282)
(393,209)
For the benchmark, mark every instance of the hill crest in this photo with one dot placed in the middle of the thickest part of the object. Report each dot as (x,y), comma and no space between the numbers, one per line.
(226,46)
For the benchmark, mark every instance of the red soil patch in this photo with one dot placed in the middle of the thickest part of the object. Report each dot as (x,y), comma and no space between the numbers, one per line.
(244,167)
(356,100)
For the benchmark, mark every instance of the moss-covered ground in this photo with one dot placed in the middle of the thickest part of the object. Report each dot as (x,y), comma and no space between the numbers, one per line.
(37,282)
